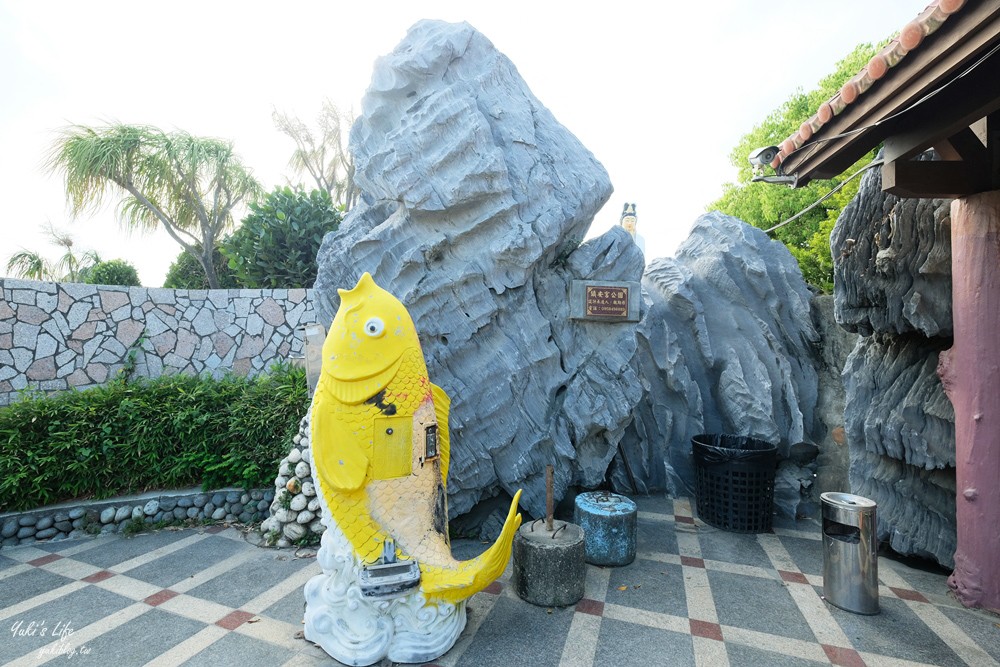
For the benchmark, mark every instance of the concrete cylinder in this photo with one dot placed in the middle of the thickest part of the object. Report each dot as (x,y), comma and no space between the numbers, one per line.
(609,527)
(549,568)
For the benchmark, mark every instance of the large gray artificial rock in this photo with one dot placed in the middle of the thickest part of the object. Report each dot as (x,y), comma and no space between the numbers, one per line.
(892,282)
(474,200)
(726,347)
(901,430)
(892,262)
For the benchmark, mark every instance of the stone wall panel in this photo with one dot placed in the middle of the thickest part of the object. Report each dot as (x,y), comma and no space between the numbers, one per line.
(57,336)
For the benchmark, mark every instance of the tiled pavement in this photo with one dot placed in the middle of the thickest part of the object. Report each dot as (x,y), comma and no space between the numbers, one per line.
(694,596)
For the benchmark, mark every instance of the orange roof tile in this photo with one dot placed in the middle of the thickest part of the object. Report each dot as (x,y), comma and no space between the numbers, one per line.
(909,39)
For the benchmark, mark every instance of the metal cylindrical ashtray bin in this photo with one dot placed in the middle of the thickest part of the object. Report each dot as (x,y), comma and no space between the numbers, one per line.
(609,527)
(850,553)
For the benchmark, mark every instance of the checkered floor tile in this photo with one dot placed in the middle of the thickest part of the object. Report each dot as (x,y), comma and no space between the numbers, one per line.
(695,595)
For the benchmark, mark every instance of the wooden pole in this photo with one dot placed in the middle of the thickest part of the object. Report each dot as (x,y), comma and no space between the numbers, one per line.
(970,373)
(549,499)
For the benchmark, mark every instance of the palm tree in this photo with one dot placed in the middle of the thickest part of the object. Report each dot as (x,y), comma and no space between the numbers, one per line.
(30,265)
(69,268)
(187,185)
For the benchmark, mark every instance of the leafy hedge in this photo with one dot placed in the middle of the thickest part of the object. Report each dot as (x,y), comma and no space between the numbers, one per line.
(112,272)
(277,243)
(130,437)
(186,273)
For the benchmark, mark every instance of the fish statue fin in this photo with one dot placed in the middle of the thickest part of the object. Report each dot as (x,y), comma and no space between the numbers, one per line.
(442,405)
(342,464)
(471,576)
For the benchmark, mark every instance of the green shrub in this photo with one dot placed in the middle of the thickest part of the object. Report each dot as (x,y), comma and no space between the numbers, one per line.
(277,243)
(186,273)
(112,272)
(130,437)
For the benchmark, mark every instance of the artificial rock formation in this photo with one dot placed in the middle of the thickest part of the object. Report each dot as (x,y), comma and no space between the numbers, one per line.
(892,281)
(901,430)
(726,347)
(892,263)
(836,345)
(474,203)
(472,197)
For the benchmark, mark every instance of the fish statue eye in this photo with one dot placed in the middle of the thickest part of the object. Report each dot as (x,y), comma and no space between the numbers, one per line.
(374,327)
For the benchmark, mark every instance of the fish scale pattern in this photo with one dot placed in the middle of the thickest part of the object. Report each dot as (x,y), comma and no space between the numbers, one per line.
(350,509)
(376,485)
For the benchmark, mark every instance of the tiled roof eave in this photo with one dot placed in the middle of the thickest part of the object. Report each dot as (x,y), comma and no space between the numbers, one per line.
(879,71)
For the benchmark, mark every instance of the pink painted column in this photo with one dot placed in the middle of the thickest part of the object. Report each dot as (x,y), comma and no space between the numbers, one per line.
(970,373)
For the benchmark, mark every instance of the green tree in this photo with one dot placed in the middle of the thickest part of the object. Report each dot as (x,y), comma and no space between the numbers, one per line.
(113,272)
(186,273)
(323,154)
(187,185)
(29,264)
(765,205)
(70,267)
(277,243)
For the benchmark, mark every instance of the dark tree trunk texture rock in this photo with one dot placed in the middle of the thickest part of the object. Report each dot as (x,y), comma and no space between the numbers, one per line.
(892,281)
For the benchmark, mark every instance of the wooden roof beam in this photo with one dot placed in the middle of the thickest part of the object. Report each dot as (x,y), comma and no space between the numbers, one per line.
(926,179)
(967,166)
(937,120)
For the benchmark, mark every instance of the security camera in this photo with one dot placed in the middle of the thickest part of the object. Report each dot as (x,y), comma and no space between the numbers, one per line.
(763,157)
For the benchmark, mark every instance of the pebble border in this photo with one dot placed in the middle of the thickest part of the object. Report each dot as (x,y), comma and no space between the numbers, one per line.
(115,515)
(296,513)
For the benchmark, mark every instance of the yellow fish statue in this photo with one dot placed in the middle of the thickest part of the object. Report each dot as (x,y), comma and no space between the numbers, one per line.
(380,451)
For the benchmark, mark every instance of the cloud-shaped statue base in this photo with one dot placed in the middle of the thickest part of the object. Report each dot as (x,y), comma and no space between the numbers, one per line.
(359,631)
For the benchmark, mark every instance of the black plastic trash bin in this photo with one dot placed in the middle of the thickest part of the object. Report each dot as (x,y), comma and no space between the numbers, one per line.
(734,481)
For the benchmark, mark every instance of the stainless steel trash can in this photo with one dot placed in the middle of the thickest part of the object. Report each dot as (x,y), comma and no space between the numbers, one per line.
(850,553)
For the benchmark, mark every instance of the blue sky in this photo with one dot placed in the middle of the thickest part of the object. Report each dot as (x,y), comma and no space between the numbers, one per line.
(659,93)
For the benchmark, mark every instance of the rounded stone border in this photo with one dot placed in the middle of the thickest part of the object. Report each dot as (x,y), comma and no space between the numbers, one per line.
(140,512)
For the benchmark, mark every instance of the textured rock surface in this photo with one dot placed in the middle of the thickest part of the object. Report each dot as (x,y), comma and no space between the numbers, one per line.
(830,434)
(895,402)
(726,347)
(902,444)
(900,426)
(474,198)
(474,201)
(892,282)
(892,262)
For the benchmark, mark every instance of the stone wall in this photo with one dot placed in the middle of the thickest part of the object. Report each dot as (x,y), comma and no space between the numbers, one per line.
(56,336)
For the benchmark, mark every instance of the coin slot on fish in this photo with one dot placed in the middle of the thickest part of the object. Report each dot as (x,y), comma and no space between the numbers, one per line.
(392,447)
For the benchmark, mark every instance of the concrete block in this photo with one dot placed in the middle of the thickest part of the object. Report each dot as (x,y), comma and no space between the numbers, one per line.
(549,567)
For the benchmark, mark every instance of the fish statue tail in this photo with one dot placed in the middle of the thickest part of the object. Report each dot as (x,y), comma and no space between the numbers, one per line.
(471,576)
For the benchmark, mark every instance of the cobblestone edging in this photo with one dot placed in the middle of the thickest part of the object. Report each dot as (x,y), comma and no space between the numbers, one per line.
(116,515)
(295,510)
(57,336)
